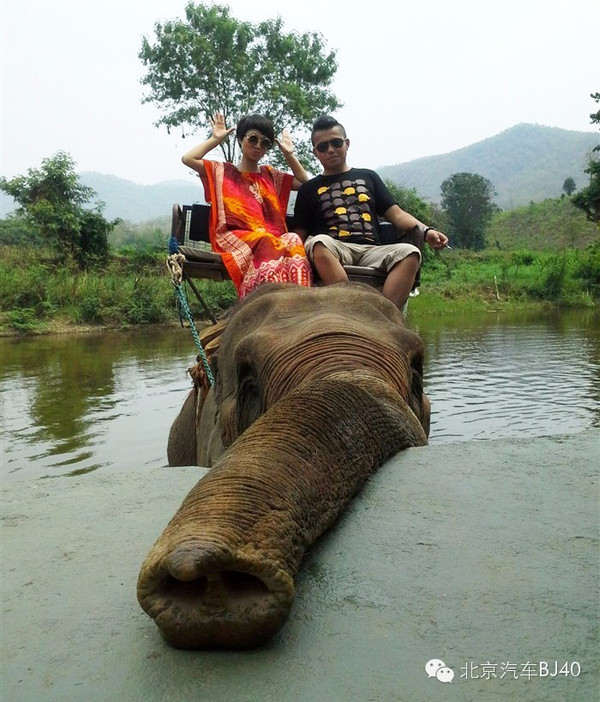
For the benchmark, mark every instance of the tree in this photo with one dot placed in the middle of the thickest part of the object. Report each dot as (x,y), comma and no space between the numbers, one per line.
(409,200)
(569,186)
(52,202)
(588,199)
(212,62)
(467,201)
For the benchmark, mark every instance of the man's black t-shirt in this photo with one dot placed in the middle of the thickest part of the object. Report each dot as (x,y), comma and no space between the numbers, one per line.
(345,206)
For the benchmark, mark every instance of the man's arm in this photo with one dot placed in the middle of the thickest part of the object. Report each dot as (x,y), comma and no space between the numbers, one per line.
(302,233)
(302,214)
(405,223)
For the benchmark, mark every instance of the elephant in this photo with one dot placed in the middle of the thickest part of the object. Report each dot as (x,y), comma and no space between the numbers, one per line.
(315,388)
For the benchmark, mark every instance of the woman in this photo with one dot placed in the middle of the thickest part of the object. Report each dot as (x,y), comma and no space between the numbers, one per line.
(249,204)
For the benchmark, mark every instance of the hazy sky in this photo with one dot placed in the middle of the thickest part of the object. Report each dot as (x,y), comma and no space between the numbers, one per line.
(416,78)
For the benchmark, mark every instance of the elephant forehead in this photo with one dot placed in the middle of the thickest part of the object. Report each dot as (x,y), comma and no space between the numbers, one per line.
(289,305)
(332,328)
(301,335)
(363,313)
(279,364)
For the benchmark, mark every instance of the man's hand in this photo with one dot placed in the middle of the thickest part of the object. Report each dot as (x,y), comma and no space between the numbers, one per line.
(437,240)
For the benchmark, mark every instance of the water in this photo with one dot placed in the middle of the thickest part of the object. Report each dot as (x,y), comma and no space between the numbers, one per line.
(494,376)
(79,403)
(75,404)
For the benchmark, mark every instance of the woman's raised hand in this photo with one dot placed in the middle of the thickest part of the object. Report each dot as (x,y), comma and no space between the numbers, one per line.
(219,130)
(285,143)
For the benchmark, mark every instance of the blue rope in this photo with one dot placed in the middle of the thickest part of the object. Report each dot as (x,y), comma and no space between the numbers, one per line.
(188,313)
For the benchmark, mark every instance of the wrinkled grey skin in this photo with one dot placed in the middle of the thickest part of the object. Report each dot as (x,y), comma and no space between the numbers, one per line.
(315,389)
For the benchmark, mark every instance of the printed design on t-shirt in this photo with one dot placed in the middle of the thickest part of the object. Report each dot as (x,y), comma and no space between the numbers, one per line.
(346,210)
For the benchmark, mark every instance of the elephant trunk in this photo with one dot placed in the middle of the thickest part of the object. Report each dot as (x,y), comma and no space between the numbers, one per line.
(221,574)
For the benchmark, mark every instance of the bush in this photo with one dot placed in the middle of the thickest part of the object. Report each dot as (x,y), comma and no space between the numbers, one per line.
(23,320)
(588,269)
(145,306)
(522,258)
(16,231)
(90,310)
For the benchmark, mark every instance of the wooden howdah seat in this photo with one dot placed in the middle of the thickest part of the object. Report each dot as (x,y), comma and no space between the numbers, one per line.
(189,227)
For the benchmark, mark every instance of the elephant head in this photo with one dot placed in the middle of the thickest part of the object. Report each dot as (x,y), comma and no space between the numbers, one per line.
(315,389)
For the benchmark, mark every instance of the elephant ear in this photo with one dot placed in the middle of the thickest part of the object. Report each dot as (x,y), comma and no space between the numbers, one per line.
(250,400)
(417,399)
(181,447)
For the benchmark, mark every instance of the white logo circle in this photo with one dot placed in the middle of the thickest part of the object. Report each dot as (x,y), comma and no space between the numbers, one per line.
(432,667)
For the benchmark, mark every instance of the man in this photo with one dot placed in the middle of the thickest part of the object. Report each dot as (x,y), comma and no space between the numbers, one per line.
(336,214)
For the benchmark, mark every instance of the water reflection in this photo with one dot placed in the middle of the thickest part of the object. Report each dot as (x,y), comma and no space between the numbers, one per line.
(76,404)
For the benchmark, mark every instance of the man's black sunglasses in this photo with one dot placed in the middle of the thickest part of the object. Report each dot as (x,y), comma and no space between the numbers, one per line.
(323,146)
(254,140)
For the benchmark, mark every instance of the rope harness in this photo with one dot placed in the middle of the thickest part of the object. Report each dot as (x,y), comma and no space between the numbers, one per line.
(175,267)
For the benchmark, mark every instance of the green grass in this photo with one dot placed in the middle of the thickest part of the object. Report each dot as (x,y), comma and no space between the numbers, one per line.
(498,279)
(551,225)
(37,295)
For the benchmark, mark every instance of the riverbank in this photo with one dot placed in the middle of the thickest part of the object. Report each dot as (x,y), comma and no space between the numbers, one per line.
(58,327)
(424,306)
(466,552)
(40,295)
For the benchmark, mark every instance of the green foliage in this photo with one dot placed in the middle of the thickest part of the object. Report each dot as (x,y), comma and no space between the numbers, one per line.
(52,204)
(552,282)
(16,230)
(409,200)
(569,186)
(37,295)
(24,320)
(212,62)
(467,201)
(92,244)
(588,199)
(218,296)
(588,270)
(522,258)
(133,289)
(498,279)
(145,307)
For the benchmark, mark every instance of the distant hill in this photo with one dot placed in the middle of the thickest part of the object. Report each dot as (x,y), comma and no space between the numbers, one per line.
(526,163)
(130,201)
(139,203)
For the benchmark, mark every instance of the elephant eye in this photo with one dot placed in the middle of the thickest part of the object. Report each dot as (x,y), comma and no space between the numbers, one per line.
(250,403)
(416,383)
(416,392)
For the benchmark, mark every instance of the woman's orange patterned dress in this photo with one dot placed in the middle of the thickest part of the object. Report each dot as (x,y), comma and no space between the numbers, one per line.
(248,228)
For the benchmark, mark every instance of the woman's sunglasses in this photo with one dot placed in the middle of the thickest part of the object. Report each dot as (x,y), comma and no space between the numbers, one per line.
(323,146)
(265,143)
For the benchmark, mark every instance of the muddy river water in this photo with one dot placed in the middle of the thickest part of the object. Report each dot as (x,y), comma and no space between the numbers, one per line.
(74,404)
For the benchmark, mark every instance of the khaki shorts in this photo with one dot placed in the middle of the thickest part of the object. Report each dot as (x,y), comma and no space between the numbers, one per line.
(383,257)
